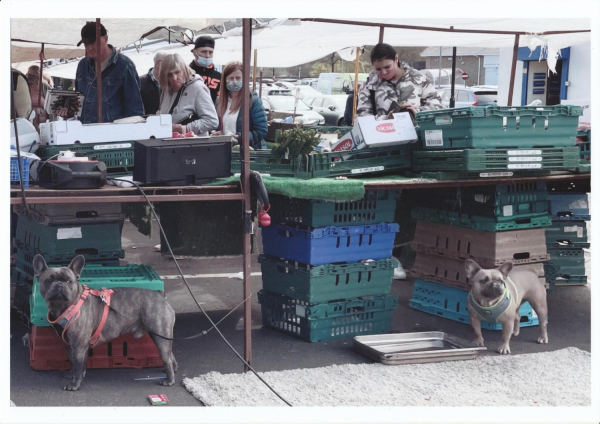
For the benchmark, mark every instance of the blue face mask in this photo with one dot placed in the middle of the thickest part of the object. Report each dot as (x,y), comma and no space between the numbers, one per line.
(204,61)
(233,86)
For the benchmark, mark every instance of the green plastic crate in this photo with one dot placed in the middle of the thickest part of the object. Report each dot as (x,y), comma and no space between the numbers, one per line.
(567,234)
(492,127)
(327,321)
(549,159)
(329,129)
(557,275)
(116,156)
(325,283)
(72,213)
(332,164)
(495,195)
(465,175)
(376,207)
(68,240)
(138,276)
(481,223)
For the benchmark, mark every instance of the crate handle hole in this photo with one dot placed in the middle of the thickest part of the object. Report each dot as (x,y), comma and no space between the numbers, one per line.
(564,214)
(520,256)
(523,221)
(86,251)
(86,214)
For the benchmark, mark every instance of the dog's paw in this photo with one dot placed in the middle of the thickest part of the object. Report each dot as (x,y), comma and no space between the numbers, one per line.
(167,383)
(543,340)
(70,388)
(504,349)
(478,341)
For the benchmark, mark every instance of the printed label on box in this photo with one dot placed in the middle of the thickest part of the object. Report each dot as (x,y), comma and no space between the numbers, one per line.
(68,233)
(363,170)
(443,120)
(525,159)
(112,146)
(434,138)
(524,152)
(575,229)
(507,210)
(495,174)
(524,166)
(301,311)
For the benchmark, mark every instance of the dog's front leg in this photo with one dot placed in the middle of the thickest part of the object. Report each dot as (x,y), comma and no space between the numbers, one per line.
(507,330)
(78,358)
(476,324)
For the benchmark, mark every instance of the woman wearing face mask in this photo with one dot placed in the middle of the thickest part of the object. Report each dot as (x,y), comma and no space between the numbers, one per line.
(229,107)
(395,81)
(203,51)
(185,97)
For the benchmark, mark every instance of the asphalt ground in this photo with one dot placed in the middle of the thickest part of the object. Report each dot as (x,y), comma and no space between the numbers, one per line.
(569,325)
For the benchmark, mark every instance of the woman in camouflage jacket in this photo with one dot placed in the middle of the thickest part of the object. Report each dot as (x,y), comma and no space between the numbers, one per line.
(395,81)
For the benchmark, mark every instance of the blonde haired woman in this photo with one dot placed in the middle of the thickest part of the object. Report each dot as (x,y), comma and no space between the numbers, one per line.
(185,97)
(229,107)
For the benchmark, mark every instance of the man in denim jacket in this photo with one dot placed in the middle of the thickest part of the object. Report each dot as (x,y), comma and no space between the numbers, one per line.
(121,95)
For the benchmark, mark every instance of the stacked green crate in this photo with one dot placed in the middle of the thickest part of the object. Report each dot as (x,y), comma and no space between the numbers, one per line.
(567,238)
(485,141)
(330,301)
(59,232)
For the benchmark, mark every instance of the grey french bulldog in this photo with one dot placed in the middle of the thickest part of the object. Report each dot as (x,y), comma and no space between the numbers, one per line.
(496,296)
(132,310)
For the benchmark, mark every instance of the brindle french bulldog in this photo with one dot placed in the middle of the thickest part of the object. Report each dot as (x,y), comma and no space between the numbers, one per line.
(496,296)
(132,310)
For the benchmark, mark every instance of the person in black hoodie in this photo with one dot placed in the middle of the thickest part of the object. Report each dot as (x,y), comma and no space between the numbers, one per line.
(150,87)
(203,64)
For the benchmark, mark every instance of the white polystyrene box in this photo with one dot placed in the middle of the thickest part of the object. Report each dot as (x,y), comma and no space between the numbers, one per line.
(72,132)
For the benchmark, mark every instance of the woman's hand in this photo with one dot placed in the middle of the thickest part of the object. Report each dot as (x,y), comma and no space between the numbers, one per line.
(181,129)
(408,108)
(235,136)
(215,133)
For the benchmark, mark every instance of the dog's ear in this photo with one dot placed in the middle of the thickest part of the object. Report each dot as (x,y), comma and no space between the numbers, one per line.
(472,268)
(77,265)
(506,268)
(39,266)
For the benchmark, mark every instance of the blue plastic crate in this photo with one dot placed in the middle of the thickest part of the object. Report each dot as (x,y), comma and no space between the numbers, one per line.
(451,303)
(14,171)
(569,206)
(326,245)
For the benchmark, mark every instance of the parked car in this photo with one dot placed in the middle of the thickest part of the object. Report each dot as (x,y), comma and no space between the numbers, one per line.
(477,95)
(286,104)
(306,90)
(272,90)
(285,84)
(331,107)
(308,81)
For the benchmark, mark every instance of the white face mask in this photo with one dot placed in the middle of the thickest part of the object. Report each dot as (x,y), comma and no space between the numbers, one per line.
(204,61)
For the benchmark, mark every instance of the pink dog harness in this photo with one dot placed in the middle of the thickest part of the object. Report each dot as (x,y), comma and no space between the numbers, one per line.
(72,313)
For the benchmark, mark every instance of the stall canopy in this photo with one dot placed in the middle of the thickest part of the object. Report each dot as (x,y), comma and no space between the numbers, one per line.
(294,42)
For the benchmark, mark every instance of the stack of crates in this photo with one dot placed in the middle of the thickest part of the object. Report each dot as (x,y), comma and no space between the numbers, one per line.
(327,267)
(567,237)
(59,232)
(489,224)
(497,141)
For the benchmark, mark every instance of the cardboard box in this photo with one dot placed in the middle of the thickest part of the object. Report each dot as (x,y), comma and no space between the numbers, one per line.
(346,142)
(368,132)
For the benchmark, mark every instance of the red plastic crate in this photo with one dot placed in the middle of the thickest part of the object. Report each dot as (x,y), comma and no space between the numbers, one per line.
(47,352)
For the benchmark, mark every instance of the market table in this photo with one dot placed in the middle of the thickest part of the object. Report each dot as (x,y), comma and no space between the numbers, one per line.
(231,191)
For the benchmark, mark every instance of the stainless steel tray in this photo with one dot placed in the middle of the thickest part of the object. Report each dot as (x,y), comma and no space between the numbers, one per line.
(413,348)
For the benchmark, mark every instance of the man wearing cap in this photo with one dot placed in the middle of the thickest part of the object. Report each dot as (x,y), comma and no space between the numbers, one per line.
(150,86)
(121,95)
(203,64)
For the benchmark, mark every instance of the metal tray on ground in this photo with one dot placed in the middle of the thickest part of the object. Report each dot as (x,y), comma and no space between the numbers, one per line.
(415,348)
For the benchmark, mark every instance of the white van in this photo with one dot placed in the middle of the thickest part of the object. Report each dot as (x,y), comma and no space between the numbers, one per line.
(338,83)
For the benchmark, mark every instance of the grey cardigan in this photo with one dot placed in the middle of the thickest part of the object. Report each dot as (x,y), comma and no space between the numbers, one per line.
(194,98)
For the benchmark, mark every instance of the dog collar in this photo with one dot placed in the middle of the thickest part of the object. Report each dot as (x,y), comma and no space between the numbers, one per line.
(493,313)
(72,313)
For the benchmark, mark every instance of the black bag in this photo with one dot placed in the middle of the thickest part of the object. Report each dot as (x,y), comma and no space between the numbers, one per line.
(186,120)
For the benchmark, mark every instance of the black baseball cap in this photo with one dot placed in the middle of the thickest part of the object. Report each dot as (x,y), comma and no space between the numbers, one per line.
(88,33)
(204,41)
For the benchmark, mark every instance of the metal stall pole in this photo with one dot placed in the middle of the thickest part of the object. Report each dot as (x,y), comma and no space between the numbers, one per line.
(355,95)
(260,85)
(254,71)
(513,69)
(98,70)
(245,179)
(41,86)
(381,29)
(452,93)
